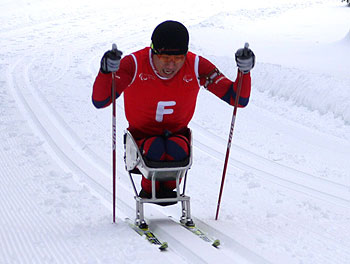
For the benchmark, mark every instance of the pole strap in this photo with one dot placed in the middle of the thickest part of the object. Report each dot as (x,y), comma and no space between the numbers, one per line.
(210,77)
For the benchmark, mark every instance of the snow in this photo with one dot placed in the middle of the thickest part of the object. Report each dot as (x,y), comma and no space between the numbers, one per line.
(287,192)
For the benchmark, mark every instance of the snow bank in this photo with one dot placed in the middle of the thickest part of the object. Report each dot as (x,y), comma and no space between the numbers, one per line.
(320,92)
(346,39)
(316,91)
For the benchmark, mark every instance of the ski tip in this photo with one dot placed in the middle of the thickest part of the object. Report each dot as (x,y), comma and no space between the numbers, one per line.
(163,246)
(216,243)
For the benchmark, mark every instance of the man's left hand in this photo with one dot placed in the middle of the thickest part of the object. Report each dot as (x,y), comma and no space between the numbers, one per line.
(245,59)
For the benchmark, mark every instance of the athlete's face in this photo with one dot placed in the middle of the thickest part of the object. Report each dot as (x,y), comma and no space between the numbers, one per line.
(168,65)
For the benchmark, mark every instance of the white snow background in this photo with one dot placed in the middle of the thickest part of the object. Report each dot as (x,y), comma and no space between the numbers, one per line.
(287,191)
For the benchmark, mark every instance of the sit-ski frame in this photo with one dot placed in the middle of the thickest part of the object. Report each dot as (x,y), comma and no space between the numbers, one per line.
(134,163)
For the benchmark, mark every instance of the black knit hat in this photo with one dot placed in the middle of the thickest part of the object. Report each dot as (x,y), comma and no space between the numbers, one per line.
(170,37)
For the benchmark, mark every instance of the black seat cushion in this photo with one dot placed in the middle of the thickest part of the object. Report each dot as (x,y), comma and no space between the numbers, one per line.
(166,164)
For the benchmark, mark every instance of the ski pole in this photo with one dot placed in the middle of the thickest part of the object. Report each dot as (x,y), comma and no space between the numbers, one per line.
(114,48)
(239,86)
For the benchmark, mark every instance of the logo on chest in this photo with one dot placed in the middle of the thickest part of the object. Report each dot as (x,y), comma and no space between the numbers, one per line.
(146,77)
(188,78)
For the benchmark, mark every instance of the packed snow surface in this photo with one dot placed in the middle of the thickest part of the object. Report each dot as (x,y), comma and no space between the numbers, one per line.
(286,197)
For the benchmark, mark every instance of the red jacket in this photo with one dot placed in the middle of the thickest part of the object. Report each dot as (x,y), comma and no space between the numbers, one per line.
(153,104)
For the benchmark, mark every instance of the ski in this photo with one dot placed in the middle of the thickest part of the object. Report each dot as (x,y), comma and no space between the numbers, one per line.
(149,235)
(198,232)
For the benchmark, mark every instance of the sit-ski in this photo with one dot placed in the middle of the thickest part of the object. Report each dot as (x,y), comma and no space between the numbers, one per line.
(136,163)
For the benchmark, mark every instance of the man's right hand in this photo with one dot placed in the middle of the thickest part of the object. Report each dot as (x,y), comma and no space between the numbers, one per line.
(110,61)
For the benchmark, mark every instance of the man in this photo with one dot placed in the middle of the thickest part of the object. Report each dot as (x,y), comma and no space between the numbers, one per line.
(160,85)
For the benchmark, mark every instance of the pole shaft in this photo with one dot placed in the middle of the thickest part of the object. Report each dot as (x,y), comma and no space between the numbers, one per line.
(114,145)
(239,86)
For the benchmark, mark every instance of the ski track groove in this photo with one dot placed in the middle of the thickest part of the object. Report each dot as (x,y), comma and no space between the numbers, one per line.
(205,133)
(57,250)
(28,100)
(286,183)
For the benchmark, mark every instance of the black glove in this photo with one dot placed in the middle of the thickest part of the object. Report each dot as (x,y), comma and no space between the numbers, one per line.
(111,60)
(245,59)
